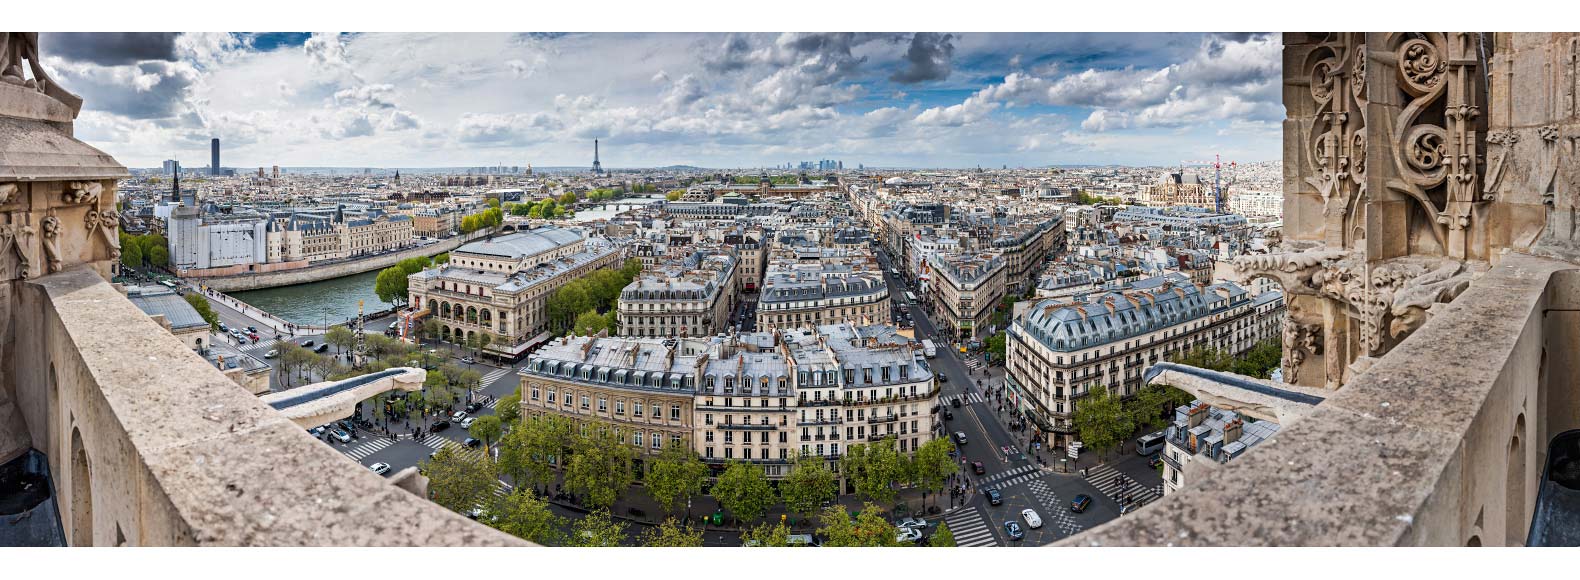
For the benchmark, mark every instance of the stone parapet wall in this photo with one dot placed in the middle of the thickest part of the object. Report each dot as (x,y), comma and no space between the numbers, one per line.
(1440,443)
(254,281)
(151,446)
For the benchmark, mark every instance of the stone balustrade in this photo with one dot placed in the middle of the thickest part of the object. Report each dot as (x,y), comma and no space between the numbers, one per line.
(1439,443)
(151,446)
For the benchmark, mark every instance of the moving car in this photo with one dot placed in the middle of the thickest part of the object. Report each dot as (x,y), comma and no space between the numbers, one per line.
(1033,520)
(467,422)
(1155,461)
(943,378)
(223,328)
(473,407)
(468,360)
(912,523)
(1080,503)
(438,426)
(907,535)
(948,415)
(252,329)
(380,468)
(470,442)
(993,495)
(960,437)
(954,403)
(1013,530)
(342,436)
(271,354)
(458,416)
(977,468)
(307,344)
(322,348)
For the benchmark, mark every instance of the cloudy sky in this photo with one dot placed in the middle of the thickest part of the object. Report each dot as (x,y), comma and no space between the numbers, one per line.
(712,100)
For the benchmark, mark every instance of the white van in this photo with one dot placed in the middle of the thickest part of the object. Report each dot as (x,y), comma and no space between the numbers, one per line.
(1149,444)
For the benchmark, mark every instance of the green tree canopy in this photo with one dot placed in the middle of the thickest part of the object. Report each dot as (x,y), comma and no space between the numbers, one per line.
(674,195)
(509,409)
(867,529)
(158,256)
(459,481)
(391,285)
(597,530)
(743,489)
(809,484)
(932,465)
(874,469)
(767,535)
(525,515)
(942,538)
(132,255)
(675,475)
(486,429)
(671,534)
(600,466)
(341,337)
(203,308)
(1102,421)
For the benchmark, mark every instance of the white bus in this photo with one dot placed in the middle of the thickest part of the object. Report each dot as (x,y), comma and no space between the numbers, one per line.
(928,349)
(910,297)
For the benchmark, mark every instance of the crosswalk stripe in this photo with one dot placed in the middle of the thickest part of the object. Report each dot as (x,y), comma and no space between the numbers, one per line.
(969,529)
(1102,477)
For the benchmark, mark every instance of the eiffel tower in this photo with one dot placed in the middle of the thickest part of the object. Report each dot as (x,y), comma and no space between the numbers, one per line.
(597,167)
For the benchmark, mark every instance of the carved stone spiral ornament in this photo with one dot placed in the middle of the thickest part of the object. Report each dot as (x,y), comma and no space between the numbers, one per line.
(1421,67)
(52,257)
(1322,80)
(1426,148)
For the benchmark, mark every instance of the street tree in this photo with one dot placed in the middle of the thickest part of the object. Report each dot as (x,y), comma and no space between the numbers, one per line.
(743,489)
(471,342)
(943,538)
(509,410)
(671,534)
(430,329)
(132,256)
(1149,407)
(157,256)
(590,323)
(203,308)
(809,484)
(767,535)
(600,465)
(525,515)
(675,476)
(932,465)
(341,337)
(874,469)
(597,530)
(867,530)
(486,429)
(529,452)
(391,285)
(459,481)
(1101,421)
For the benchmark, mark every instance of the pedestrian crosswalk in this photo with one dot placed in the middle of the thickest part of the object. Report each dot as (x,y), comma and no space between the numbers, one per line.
(491,376)
(974,363)
(1055,510)
(1105,479)
(965,399)
(970,529)
(364,447)
(437,442)
(1011,477)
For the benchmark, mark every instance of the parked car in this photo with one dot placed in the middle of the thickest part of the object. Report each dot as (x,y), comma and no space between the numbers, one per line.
(271,354)
(318,431)
(977,468)
(458,416)
(943,378)
(223,328)
(438,426)
(473,407)
(1013,530)
(347,425)
(1033,520)
(1080,503)
(467,422)
(380,468)
(468,360)
(470,442)
(907,535)
(342,436)
(912,523)
(960,437)
(993,495)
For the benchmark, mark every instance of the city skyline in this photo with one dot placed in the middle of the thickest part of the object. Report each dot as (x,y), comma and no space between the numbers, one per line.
(709,100)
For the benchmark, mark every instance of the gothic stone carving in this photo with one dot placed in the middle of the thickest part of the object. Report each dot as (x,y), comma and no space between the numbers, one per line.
(52,257)
(1301,340)
(105,225)
(17,48)
(83,191)
(16,241)
(8,192)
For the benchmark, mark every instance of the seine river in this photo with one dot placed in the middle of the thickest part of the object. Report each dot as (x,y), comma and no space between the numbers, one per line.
(334,299)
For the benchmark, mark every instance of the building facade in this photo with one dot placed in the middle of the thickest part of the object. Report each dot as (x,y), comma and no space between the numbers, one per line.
(965,289)
(815,294)
(1057,353)
(500,286)
(692,297)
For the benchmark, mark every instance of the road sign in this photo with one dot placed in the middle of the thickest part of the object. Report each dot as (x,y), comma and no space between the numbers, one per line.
(1073,450)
